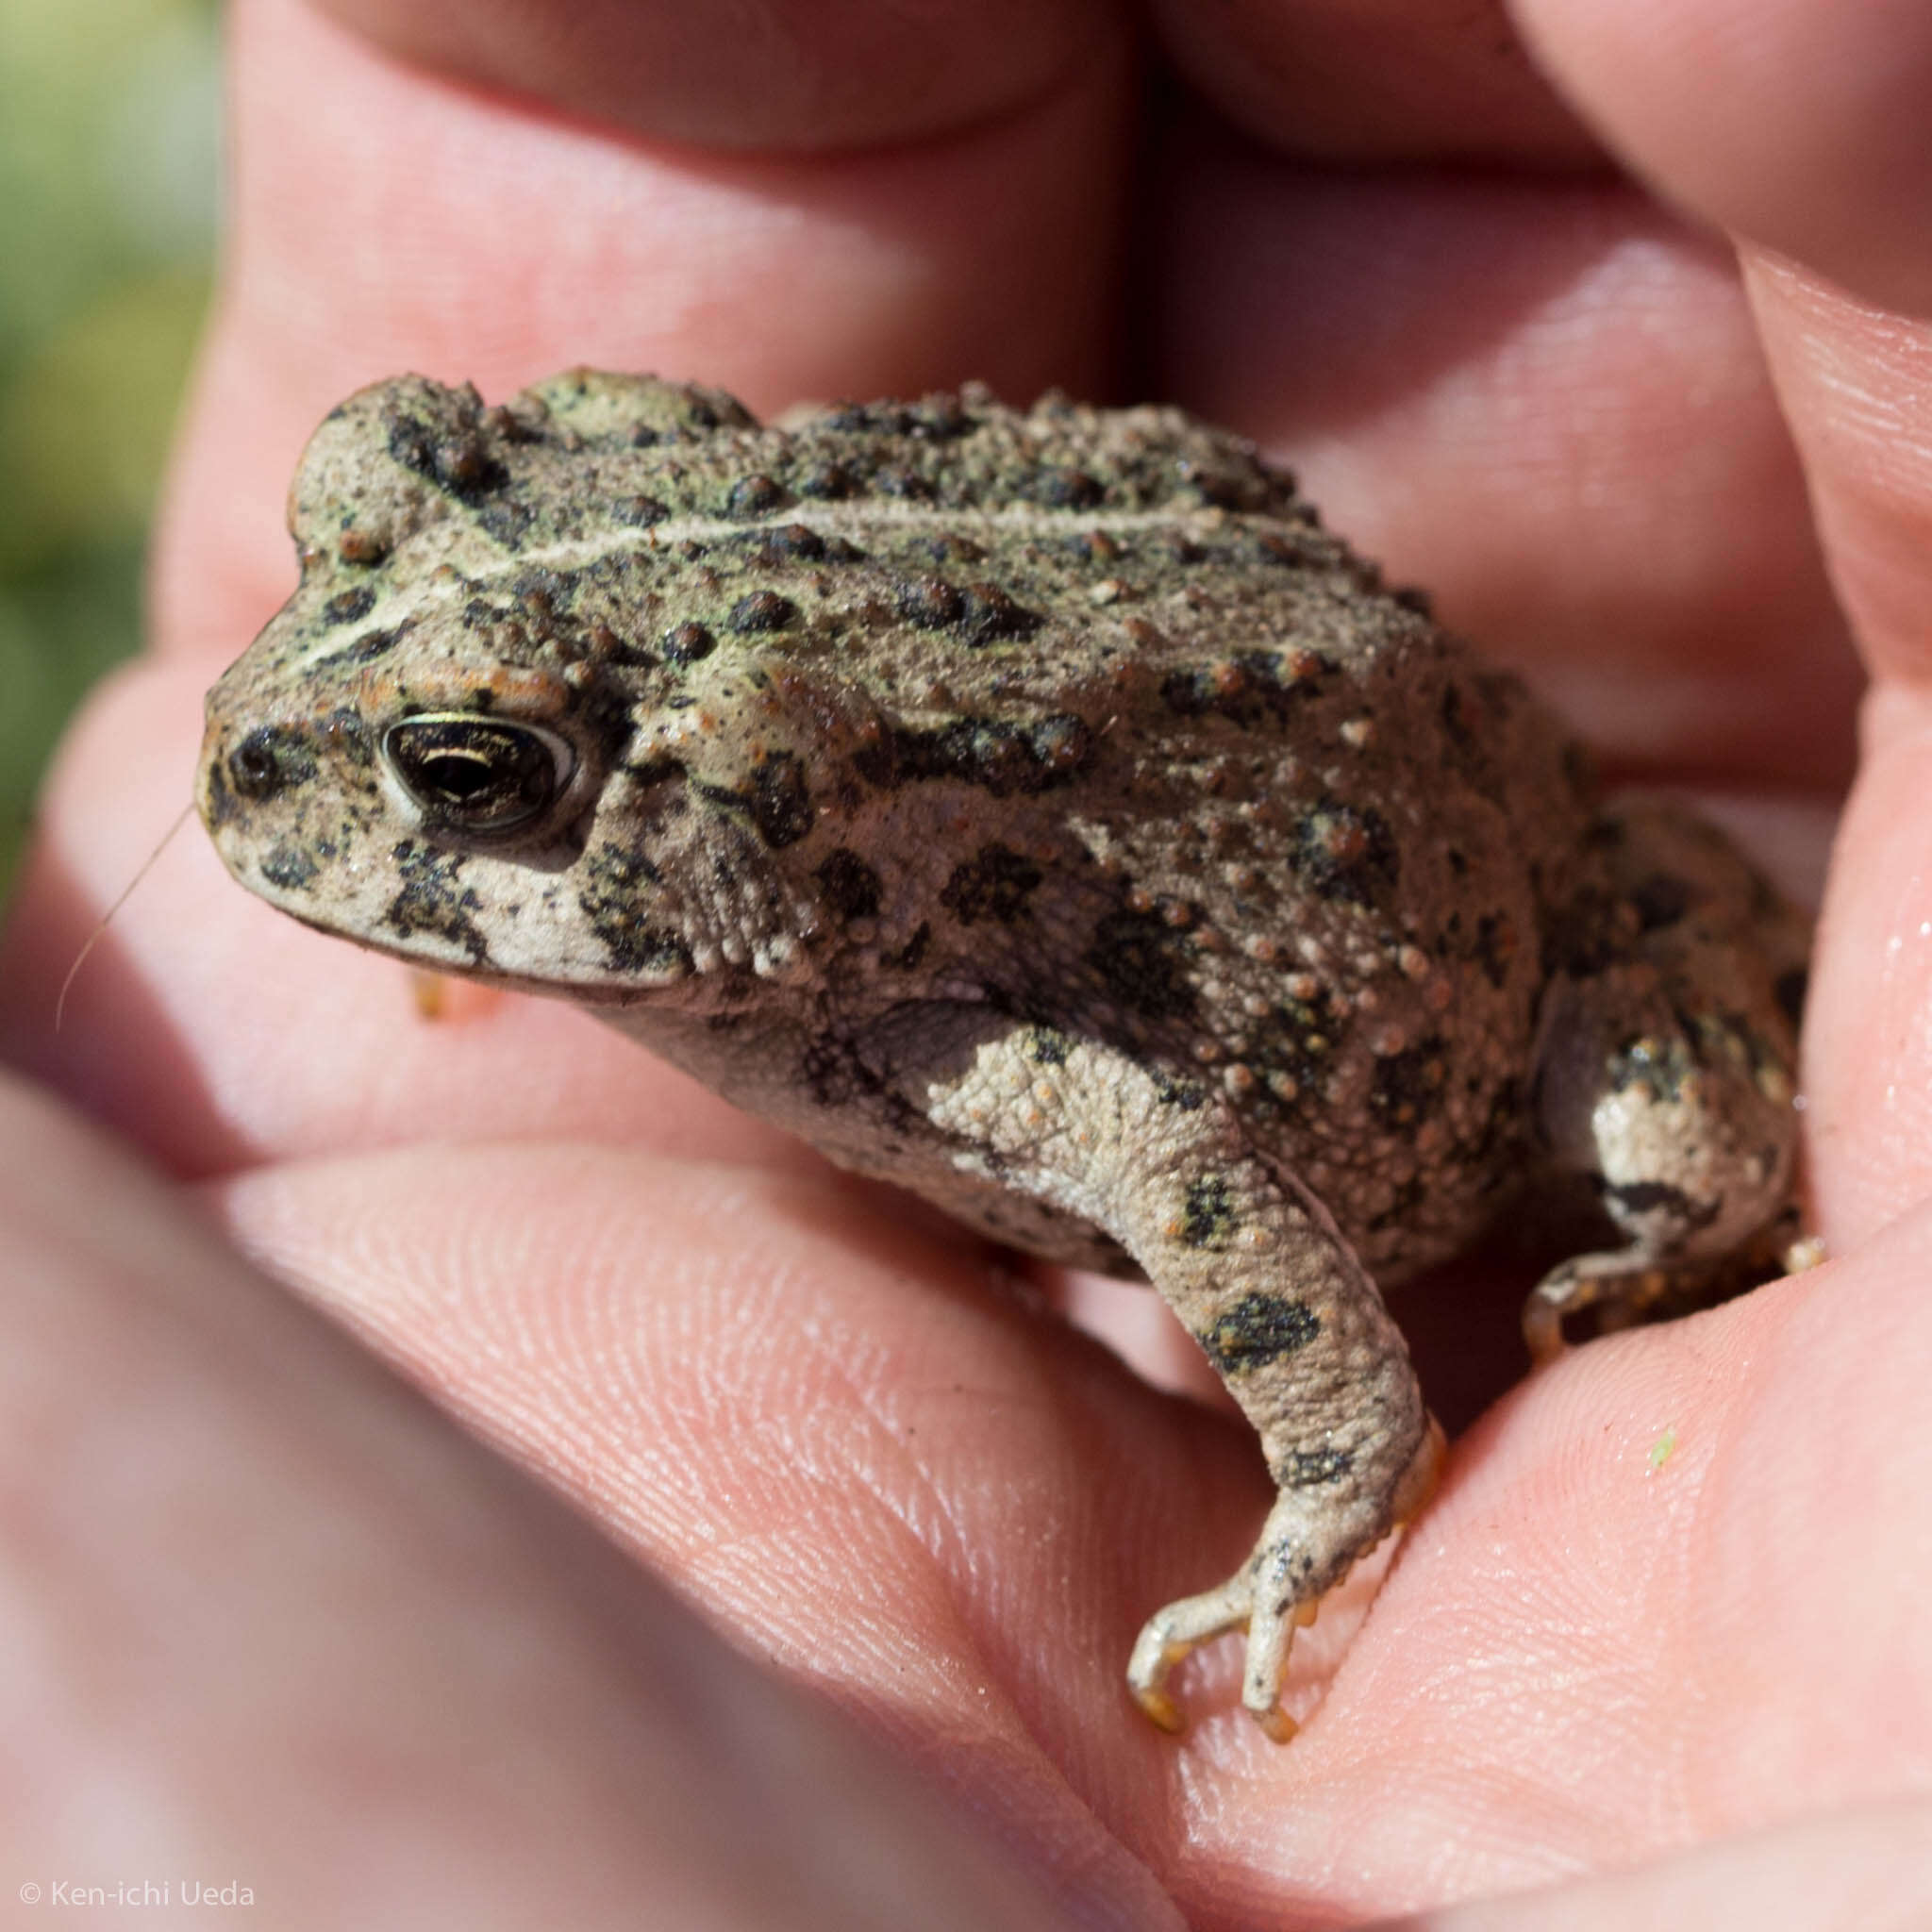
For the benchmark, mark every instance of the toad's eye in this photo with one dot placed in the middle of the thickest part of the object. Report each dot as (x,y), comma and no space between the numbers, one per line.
(479,774)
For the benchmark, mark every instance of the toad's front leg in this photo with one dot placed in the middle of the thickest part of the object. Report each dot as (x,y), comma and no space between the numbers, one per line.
(1255,1267)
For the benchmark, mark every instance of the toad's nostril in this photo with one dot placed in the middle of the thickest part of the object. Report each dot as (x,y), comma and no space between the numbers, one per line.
(252,767)
(265,762)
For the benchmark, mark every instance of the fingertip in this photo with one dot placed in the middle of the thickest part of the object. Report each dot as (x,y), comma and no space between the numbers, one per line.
(802,76)
(1854,381)
(1799,125)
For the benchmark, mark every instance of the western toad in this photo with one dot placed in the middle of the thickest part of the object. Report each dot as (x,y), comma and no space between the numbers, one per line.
(1041,811)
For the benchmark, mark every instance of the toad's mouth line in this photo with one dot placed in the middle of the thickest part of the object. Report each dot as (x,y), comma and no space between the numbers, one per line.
(1023,520)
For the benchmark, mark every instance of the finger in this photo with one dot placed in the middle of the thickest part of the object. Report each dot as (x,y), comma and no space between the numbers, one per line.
(1545,403)
(1376,80)
(852,1447)
(1855,383)
(217,1032)
(1866,1868)
(795,76)
(1799,125)
(1867,1047)
(250,1578)
(386,219)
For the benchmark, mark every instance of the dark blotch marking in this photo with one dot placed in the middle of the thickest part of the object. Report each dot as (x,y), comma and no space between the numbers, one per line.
(432,899)
(1661,900)
(685,643)
(1208,1216)
(996,883)
(1248,686)
(1134,953)
(826,481)
(638,511)
(1310,1469)
(1257,1330)
(1345,851)
(779,801)
(781,805)
(454,455)
(1047,1047)
(860,419)
(1001,758)
(605,712)
(1189,1095)
(656,771)
(506,520)
(851,886)
(1407,1086)
(220,806)
(289,866)
(1224,489)
(1298,1037)
(368,648)
(1070,489)
(346,606)
(989,615)
(939,416)
(755,496)
(1652,1197)
(928,603)
(616,893)
(792,543)
(762,611)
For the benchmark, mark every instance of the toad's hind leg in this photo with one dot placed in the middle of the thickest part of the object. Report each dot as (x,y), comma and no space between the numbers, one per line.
(1666,1068)
(1255,1268)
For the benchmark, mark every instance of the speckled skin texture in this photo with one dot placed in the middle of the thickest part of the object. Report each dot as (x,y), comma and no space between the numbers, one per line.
(1039,810)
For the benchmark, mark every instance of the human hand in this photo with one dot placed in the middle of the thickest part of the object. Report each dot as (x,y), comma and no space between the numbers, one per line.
(1657,1602)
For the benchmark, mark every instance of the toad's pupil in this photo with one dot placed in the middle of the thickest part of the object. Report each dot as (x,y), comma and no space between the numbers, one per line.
(456,775)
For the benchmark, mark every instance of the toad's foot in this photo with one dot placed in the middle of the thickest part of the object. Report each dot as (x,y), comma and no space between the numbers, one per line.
(1258,1598)
(1623,1285)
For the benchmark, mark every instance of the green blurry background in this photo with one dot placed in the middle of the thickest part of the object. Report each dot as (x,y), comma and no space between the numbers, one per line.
(108,157)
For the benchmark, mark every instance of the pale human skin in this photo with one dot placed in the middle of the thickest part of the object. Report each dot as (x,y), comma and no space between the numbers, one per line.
(1656,1643)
